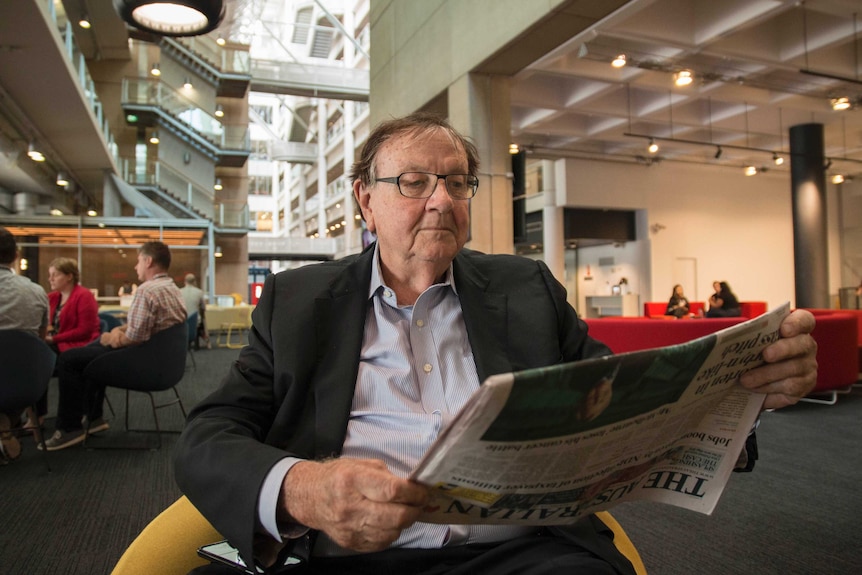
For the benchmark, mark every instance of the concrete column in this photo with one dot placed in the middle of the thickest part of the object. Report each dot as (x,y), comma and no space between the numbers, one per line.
(321,169)
(553,226)
(479,108)
(349,145)
(808,187)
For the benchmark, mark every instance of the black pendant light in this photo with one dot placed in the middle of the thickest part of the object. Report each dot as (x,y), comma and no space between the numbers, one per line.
(172,17)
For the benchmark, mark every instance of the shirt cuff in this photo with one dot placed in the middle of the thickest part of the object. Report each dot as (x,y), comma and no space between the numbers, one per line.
(267,503)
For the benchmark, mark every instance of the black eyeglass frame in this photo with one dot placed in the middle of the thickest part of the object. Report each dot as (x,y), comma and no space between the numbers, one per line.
(471,181)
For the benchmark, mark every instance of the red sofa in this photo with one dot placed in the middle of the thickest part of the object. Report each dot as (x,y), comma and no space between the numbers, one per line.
(656,309)
(838,334)
(750,309)
(632,334)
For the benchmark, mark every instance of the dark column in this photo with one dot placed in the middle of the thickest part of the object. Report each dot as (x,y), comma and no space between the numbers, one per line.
(808,184)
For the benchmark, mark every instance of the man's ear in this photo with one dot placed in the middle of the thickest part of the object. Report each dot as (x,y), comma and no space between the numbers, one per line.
(363,198)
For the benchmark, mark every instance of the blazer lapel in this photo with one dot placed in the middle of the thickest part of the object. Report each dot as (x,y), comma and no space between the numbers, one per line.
(339,323)
(485,318)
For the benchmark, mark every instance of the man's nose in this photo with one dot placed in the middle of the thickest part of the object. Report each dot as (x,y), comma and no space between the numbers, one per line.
(441,196)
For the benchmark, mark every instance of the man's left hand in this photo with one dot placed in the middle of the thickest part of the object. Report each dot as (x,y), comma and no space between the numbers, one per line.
(790,372)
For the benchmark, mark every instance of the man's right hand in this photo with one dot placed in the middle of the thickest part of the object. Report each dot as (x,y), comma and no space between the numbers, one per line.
(358,503)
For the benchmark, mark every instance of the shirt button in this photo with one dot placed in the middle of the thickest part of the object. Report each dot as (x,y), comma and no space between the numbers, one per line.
(387,293)
(427,368)
(420,322)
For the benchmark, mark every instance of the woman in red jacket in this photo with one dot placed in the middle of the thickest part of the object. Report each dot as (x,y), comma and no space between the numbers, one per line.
(73,314)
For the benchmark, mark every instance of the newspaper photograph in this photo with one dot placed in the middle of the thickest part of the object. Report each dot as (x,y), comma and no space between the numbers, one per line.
(547,446)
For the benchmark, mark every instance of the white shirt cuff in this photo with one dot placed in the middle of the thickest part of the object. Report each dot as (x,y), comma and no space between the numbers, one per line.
(267,503)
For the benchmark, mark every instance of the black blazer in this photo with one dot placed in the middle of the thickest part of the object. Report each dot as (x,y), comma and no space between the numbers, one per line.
(290,391)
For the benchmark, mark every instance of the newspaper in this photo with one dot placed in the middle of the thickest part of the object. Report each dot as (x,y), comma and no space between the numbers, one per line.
(547,446)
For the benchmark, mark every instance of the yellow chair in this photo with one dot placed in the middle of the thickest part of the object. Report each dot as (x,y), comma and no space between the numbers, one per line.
(169,544)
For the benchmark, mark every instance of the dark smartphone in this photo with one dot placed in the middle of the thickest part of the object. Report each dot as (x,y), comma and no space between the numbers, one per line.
(226,554)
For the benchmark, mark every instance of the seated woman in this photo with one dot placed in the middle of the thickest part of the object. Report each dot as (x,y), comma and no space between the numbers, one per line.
(723,303)
(678,304)
(73,314)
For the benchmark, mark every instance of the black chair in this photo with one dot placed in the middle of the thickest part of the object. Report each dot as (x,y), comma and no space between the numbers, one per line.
(111,320)
(26,366)
(155,365)
(192,323)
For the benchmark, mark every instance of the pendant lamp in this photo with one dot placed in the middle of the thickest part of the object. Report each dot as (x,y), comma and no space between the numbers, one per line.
(172,17)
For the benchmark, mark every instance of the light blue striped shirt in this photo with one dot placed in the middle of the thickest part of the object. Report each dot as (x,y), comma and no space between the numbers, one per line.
(416,370)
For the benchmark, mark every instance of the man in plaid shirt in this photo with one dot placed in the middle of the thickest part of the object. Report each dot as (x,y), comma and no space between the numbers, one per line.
(157,305)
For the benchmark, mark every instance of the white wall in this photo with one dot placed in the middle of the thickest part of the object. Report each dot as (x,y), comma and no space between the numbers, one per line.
(737,228)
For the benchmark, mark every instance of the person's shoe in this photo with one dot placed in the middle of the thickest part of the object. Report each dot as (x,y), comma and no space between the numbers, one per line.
(98,425)
(63,439)
(10,447)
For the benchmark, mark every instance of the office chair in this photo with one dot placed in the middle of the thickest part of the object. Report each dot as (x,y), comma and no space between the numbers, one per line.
(158,364)
(26,366)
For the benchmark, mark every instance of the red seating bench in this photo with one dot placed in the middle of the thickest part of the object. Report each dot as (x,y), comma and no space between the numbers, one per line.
(838,334)
(656,309)
(632,334)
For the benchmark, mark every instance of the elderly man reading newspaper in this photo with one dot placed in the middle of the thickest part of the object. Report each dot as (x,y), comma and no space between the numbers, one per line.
(354,367)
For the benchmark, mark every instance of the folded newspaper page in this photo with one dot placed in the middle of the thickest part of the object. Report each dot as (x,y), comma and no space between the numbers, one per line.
(547,446)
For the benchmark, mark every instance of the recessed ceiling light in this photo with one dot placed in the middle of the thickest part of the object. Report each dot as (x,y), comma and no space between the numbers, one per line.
(683,78)
(172,17)
(619,61)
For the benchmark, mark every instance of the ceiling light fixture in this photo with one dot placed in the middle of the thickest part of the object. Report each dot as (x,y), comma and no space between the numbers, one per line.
(838,179)
(683,78)
(652,148)
(778,160)
(154,137)
(718,152)
(219,111)
(514,149)
(35,154)
(619,61)
(750,171)
(218,253)
(218,185)
(840,104)
(220,40)
(92,213)
(155,70)
(187,83)
(62,180)
(172,17)
(56,212)
(84,22)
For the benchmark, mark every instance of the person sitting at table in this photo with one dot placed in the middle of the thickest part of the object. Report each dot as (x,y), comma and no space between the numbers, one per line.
(678,305)
(156,306)
(723,303)
(128,288)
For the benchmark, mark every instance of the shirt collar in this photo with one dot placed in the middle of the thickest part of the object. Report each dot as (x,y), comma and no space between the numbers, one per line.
(377,276)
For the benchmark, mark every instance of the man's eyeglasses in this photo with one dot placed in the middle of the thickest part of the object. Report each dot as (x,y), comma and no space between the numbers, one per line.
(419,185)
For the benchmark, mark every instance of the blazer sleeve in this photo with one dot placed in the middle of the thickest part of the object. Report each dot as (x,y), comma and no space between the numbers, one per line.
(222,456)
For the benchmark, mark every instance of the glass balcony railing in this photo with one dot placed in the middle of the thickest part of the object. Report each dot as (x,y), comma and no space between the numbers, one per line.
(223,58)
(161,175)
(76,57)
(152,92)
(231,214)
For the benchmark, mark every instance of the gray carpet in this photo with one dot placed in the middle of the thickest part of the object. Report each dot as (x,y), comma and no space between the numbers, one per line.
(796,514)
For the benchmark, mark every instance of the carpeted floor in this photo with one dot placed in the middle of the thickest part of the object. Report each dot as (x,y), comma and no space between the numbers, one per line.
(796,514)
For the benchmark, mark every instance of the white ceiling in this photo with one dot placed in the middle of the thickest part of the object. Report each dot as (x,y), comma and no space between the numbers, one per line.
(749,59)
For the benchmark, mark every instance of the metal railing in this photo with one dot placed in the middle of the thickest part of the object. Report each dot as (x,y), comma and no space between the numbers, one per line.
(152,92)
